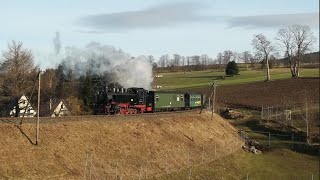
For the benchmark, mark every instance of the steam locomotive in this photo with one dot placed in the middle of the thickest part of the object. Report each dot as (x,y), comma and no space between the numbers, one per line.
(118,100)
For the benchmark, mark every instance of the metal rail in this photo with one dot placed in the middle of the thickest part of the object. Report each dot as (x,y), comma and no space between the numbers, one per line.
(14,120)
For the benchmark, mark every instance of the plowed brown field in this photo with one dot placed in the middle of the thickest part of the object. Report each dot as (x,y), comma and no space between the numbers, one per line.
(280,93)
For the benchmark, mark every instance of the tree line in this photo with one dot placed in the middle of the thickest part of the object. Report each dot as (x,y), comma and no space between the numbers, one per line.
(291,43)
(19,74)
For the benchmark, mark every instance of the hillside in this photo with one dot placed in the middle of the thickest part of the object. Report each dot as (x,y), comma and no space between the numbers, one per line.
(106,147)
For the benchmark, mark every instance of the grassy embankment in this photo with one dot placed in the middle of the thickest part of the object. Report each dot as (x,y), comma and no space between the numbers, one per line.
(120,147)
(201,79)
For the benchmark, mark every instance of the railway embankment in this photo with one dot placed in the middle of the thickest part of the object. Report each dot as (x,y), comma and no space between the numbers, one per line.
(125,147)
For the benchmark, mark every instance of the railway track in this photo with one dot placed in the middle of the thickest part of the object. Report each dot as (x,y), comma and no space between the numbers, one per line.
(14,120)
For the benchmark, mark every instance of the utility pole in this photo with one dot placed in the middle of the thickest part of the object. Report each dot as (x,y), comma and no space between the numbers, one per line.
(213,93)
(307,123)
(214,96)
(38,119)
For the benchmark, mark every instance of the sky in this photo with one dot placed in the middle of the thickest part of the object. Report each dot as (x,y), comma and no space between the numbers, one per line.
(148,27)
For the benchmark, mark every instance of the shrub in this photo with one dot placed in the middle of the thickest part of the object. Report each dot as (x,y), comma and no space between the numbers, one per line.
(232,69)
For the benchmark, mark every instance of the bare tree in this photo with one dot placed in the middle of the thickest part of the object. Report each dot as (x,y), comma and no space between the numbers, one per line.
(204,58)
(176,60)
(227,56)
(17,69)
(195,60)
(183,61)
(211,61)
(188,59)
(219,59)
(246,57)
(262,45)
(164,60)
(257,57)
(49,82)
(151,59)
(296,40)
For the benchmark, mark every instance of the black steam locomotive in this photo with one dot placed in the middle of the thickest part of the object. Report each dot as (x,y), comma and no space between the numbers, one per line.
(117,100)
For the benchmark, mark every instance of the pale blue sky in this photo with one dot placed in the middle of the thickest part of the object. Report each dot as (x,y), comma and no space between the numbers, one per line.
(149,27)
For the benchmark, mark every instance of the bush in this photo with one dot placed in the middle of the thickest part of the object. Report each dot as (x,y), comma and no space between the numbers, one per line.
(232,69)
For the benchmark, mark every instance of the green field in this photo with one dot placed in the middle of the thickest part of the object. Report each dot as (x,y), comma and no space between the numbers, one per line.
(276,164)
(199,79)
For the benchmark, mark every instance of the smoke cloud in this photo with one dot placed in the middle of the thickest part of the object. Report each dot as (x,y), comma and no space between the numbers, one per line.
(114,64)
(57,43)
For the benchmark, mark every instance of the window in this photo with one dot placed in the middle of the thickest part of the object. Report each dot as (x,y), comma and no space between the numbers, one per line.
(157,98)
(61,106)
(181,97)
(178,98)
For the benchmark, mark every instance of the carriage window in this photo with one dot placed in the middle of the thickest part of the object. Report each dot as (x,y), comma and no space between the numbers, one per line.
(157,98)
(181,97)
(178,98)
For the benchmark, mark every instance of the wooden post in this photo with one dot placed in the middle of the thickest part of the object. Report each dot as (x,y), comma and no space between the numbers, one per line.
(292,140)
(188,156)
(202,159)
(146,169)
(38,119)
(85,167)
(140,173)
(215,150)
(214,96)
(189,174)
(269,144)
(117,170)
(90,166)
(166,164)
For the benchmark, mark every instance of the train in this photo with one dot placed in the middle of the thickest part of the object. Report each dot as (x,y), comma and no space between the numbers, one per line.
(118,100)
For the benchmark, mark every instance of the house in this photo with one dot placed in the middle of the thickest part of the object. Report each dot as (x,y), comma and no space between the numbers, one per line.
(56,108)
(60,109)
(24,108)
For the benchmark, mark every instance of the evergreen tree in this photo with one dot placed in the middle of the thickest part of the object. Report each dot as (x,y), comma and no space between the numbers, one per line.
(232,69)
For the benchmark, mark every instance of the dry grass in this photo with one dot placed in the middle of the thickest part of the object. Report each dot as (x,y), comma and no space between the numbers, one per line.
(127,147)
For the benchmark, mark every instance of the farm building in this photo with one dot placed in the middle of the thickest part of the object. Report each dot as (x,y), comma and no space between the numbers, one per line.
(56,109)
(24,108)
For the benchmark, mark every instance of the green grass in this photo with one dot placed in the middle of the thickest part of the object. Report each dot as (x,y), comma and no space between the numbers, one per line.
(276,164)
(198,79)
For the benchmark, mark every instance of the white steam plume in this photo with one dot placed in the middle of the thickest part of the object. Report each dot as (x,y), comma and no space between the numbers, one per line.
(109,61)
(57,43)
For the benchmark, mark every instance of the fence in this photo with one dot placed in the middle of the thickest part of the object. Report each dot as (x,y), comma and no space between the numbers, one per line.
(266,140)
(275,113)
